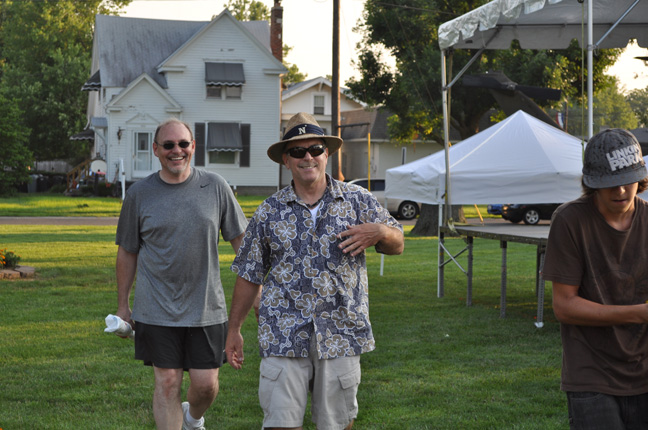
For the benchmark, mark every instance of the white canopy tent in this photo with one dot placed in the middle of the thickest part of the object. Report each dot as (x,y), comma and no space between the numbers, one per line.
(519,160)
(542,24)
(644,195)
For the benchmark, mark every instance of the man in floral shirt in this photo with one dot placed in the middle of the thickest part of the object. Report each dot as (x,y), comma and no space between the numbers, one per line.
(305,246)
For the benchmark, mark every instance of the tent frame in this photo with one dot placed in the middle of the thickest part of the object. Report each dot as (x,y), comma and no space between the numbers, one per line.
(446,220)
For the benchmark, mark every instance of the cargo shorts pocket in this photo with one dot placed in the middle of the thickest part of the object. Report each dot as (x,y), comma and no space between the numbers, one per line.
(268,375)
(349,383)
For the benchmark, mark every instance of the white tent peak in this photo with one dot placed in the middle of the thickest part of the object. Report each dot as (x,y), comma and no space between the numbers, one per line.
(519,160)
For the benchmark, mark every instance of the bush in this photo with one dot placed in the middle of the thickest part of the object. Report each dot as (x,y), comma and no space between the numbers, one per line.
(8,259)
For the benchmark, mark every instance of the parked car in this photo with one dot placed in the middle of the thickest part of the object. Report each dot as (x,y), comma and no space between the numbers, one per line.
(404,209)
(529,213)
(494,209)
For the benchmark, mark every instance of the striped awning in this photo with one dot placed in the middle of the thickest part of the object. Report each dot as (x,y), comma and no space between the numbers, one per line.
(92,84)
(84,135)
(224,136)
(224,74)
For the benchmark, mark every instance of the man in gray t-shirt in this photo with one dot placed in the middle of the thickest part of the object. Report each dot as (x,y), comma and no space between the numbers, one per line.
(168,235)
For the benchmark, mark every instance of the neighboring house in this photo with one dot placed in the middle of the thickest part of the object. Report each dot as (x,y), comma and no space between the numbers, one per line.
(314,97)
(362,127)
(642,137)
(219,76)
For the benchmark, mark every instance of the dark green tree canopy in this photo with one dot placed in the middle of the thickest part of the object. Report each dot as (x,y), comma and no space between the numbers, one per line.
(638,100)
(45,53)
(16,158)
(407,29)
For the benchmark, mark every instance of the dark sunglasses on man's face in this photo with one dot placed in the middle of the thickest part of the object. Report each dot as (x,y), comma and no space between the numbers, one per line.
(170,145)
(300,152)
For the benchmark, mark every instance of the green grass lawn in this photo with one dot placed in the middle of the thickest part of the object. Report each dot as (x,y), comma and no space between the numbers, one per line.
(438,364)
(47,204)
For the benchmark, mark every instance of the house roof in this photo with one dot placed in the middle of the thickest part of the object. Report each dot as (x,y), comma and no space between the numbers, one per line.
(129,47)
(357,123)
(320,82)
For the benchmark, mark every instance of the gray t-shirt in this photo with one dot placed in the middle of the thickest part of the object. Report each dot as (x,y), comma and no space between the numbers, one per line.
(174,229)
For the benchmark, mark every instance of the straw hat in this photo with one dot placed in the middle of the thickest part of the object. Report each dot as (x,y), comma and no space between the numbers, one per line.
(302,126)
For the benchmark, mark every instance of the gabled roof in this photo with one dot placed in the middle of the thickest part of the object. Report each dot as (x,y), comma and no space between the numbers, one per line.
(318,82)
(258,33)
(357,123)
(173,106)
(129,47)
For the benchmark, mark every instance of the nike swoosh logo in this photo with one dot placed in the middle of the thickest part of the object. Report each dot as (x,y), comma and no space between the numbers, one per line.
(203,186)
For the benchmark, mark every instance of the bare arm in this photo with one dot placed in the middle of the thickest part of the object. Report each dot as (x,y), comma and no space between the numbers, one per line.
(236,242)
(359,237)
(570,308)
(245,293)
(126,268)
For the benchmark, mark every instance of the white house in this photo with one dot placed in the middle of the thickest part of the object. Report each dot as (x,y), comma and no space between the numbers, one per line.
(221,77)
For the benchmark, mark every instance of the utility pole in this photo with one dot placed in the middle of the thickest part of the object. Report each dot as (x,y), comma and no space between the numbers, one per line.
(335,89)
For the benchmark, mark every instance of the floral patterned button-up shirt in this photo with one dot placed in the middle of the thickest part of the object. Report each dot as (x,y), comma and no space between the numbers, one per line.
(310,287)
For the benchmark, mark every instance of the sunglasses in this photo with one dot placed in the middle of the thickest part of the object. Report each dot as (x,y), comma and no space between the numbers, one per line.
(170,145)
(300,152)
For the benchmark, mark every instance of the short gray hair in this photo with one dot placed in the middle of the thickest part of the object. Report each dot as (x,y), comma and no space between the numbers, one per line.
(171,121)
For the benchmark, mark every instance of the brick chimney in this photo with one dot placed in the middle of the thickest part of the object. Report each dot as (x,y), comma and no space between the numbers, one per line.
(276,30)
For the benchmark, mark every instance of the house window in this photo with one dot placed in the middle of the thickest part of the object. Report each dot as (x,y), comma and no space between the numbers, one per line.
(318,105)
(224,80)
(143,151)
(214,91)
(223,143)
(222,157)
(233,92)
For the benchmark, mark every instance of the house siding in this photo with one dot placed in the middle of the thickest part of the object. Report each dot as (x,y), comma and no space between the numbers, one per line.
(258,106)
(143,104)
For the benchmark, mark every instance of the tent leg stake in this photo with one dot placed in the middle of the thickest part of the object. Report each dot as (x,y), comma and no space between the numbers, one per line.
(469,246)
(540,288)
(440,271)
(503,292)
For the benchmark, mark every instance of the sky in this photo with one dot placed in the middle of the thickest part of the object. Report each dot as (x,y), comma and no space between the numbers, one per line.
(308,30)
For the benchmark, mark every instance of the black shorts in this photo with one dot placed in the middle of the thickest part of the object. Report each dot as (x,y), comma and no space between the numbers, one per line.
(181,347)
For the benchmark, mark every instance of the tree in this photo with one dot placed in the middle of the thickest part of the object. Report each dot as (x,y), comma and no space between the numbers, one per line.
(248,10)
(45,54)
(254,10)
(16,158)
(612,109)
(407,29)
(638,100)
(293,76)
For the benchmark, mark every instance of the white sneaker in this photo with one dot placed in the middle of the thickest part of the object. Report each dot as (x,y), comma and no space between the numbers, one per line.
(185,424)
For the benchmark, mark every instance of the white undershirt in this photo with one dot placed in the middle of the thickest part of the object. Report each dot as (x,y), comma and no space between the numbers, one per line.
(314,211)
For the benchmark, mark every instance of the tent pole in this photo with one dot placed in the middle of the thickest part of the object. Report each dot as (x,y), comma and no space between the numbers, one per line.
(590,69)
(446,132)
(440,255)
